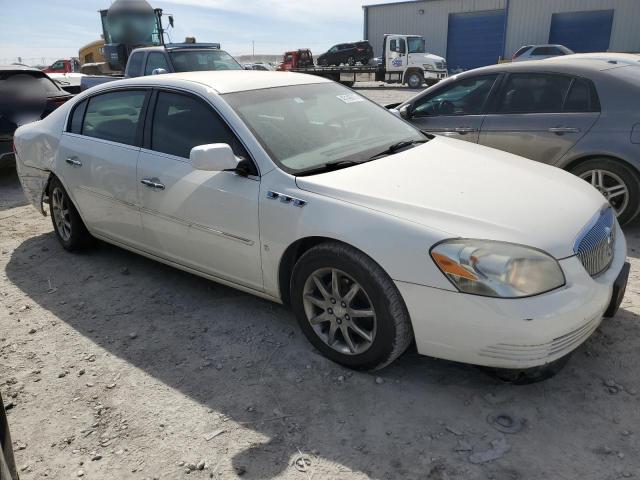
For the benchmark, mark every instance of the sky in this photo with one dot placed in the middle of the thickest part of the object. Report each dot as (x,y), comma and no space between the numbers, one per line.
(38,30)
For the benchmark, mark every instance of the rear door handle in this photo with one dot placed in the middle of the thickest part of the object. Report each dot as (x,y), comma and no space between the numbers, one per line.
(73,161)
(153,183)
(561,130)
(463,130)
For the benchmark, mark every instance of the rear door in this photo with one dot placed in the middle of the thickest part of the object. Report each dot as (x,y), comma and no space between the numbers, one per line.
(98,159)
(540,115)
(456,110)
(207,221)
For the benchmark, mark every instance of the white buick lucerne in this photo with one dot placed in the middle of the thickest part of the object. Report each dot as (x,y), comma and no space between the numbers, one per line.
(297,189)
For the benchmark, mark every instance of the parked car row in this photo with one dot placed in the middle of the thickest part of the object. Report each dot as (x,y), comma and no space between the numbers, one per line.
(576,114)
(495,260)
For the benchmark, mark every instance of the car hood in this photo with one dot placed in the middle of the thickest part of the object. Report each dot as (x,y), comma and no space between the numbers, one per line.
(429,56)
(464,190)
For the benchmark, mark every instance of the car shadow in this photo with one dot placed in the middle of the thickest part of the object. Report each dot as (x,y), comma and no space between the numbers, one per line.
(11,194)
(271,379)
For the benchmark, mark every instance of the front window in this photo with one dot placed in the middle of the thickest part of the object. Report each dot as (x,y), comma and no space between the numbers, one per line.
(466,97)
(304,127)
(416,45)
(203,60)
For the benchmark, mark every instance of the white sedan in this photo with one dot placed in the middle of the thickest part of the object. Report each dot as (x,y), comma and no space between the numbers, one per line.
(296,189)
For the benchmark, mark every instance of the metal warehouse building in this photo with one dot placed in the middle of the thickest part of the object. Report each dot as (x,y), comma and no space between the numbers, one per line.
(473,33)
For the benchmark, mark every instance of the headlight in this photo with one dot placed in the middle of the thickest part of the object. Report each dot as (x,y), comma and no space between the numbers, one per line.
(497,269)
(428,67)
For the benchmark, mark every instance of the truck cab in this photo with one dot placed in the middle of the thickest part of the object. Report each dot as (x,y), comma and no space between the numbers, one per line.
(70,65)
(408,54)
(296,59)
(179,57)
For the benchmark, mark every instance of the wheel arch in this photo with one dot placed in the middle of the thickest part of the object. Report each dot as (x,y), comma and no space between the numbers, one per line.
(289,258)
(574,162)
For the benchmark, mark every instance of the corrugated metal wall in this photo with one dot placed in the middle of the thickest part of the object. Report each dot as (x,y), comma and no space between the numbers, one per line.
(529,21)
(432,25)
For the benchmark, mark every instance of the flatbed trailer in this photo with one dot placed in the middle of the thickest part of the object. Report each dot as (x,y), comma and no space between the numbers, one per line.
(348,75)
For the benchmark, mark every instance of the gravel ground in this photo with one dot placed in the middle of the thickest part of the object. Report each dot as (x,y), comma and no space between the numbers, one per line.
(115,366)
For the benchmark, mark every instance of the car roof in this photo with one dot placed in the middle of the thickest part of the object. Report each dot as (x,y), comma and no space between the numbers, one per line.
(18,68)
(608,56)
(556,64)
(227,81)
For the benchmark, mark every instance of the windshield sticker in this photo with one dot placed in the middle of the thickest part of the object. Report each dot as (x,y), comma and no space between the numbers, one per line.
(350,98)
(298,100)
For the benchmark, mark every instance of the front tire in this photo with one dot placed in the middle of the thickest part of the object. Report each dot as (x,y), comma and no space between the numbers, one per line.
(351,61)
(617,183)
(415,80)
(349,308)
(67,224)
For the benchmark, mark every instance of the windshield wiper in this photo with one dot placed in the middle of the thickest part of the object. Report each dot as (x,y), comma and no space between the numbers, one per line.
(328,167)
(396,147)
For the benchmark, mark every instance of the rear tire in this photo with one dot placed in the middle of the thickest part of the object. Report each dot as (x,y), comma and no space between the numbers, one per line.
(351,61)
(67,224)
(357,318)
(618,183)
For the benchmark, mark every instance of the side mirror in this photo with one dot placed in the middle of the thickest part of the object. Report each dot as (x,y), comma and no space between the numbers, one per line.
(215,157)
(405,111)
(158,71)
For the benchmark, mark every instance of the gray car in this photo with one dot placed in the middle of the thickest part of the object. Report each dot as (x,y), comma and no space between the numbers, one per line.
(579,115)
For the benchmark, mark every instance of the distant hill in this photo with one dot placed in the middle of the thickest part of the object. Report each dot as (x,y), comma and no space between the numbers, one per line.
(259,58)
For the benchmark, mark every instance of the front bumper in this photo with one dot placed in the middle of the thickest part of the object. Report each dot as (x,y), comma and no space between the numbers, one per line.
(435,74)
(513,333)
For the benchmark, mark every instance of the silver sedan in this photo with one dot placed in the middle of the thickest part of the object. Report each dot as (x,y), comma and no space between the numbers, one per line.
(579,115)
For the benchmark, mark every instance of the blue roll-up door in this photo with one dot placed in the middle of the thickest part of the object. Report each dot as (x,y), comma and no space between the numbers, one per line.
(582,31)
(475,39)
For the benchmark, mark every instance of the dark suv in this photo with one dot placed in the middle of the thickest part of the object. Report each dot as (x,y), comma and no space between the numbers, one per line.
(348,53)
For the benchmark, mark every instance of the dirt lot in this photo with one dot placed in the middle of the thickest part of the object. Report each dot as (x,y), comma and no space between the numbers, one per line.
(117,367)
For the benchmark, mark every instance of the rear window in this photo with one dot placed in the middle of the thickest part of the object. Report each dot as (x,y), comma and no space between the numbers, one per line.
(134,65)
(203,60)
(114,116)
(534,93)
(582,97)
(521,51)
(28,81)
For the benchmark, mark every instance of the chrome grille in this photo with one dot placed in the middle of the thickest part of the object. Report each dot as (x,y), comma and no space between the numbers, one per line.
(594,246)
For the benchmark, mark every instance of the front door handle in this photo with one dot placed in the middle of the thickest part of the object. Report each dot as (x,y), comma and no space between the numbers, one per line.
(464,130)
(152,183)
(561,130)
(73,161)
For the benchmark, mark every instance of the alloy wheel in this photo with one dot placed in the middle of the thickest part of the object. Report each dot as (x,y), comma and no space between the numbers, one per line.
(611,186)
(339,311)
(60,206)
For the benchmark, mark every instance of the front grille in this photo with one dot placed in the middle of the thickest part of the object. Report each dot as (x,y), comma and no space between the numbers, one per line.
(594,247)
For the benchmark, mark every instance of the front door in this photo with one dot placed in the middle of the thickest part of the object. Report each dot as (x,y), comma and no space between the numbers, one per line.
(99,156)
(396,54)
(455,110)
(541,116)
(207,221)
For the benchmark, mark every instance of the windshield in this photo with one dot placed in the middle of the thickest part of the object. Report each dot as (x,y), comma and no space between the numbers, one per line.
(304,127)
(416,44)
(200,60)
